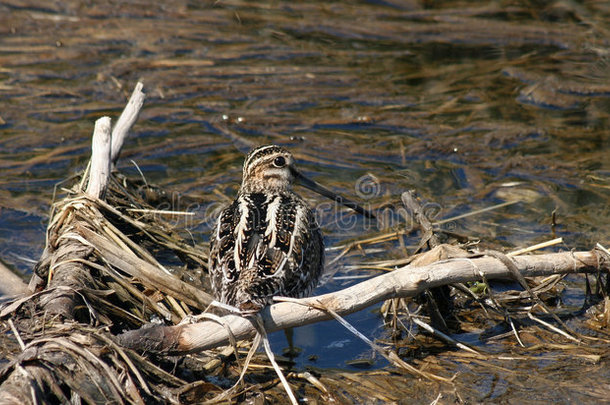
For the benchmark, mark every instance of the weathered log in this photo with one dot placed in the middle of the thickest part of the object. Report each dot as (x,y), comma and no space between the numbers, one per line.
(408,281)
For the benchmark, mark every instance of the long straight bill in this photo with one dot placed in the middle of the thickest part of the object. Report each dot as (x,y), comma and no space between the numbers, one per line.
(312,185)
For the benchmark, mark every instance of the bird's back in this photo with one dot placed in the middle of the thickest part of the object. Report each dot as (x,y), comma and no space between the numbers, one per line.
(265,245)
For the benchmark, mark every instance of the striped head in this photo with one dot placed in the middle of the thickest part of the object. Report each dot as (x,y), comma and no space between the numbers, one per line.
(268,168)
(271,168)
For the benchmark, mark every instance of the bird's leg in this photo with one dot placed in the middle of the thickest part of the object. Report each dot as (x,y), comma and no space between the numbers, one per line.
(291,351)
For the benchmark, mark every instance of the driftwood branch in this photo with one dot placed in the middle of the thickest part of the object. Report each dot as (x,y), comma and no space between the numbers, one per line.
(415,208)
(100,159)
(126,120)
(408,281)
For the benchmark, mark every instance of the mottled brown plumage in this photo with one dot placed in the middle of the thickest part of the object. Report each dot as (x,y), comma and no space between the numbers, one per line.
(267,242)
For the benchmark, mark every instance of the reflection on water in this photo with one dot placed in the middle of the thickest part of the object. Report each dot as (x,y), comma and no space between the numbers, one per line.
(470,104)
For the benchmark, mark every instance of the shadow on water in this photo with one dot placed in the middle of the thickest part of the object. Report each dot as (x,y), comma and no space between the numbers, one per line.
(470,104)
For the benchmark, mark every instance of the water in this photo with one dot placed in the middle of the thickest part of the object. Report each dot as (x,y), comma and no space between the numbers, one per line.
(471,105)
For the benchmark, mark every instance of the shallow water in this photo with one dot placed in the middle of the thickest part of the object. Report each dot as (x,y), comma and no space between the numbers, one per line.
(470,104)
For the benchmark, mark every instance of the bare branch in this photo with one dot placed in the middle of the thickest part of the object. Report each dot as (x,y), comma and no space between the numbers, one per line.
(100,159)
(126,120)
(405,282)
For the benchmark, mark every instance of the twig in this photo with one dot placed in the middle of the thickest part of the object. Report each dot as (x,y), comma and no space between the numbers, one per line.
(469,214)
(128,361)
(515,331)
(261,330)
(162,212)
(536,247)
(223,395)
(438,398)
(443,336)
(391,356)
(16,333)
(603,249)
(510,265)
(126,120)
(411,202)
(28,376)
(133,162)
(553,328)
(496,304)
(313,381)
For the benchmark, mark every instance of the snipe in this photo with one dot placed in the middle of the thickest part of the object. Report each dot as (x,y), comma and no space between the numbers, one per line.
(267,242)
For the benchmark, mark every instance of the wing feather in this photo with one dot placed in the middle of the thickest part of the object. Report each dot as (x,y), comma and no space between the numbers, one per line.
(265,246)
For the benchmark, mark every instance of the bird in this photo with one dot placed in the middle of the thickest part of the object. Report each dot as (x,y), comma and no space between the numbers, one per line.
(267,242)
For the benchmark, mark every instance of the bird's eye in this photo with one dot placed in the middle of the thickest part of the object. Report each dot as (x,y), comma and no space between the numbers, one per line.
(279,161)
